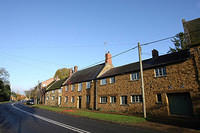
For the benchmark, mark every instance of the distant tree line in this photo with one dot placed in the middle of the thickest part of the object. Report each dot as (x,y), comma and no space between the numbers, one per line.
(5,90)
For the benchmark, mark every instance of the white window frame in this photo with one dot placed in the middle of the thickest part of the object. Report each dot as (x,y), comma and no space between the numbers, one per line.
(67,88)
(53,97)
(72,87)
(103,99)
(136,99)
(135,76)
(112,81)
(60,90)
(80,86)
(123,102)
(113,99)
(88,85)
(103,81)
(160,71)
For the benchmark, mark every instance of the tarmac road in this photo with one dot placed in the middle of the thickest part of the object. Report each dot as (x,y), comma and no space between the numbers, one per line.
(17,118)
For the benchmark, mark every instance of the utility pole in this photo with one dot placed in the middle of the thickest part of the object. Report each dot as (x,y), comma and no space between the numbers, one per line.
(142,81)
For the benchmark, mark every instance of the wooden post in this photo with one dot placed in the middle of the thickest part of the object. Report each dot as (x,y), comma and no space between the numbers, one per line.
(142,81)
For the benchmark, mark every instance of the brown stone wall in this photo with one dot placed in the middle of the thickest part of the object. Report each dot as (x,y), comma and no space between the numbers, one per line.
(51,102)
(180,78)
(83,93)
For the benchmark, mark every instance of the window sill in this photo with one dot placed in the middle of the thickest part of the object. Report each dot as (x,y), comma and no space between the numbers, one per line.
(123,104)
(134,80)
(136,103)
(102,103)
(102,85)
(160,76)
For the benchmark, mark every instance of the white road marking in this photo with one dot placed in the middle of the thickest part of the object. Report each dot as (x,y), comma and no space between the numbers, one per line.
(53,122)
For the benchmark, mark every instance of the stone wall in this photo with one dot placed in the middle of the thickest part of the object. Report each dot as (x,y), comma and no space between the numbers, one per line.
(181,77)
(83,93)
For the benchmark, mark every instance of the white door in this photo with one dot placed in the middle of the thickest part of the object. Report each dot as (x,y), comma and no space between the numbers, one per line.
(59,100)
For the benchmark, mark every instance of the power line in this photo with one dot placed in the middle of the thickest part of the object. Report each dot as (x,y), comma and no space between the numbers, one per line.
(144,44)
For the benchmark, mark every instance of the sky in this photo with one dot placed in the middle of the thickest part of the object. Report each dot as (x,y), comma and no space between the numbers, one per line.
(37,37)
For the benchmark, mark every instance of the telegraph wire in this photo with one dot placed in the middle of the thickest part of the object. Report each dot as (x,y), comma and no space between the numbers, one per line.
(143,44)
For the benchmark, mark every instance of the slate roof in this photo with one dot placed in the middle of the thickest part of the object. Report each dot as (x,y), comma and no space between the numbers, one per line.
(149,63)
(87,74)
(55,85)
(193,28)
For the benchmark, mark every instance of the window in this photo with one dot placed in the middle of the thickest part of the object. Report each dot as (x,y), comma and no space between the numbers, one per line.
(159,98)
(72,99)
(160,72)
(123,100)
(103,99)
(66,99)
(87,99)
(103,81)
(66,89)
(72,87)
(60,90)
(135,76)
(136,99)
(113,99)
(47,97)
(88,85)
(112,80)
(79,86)
(53,91)
(52,97)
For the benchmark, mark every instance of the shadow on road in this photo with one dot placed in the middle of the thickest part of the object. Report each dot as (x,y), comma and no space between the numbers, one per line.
(13,120)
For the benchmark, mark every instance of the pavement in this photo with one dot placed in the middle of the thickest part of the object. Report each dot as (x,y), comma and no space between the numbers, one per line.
(17,118)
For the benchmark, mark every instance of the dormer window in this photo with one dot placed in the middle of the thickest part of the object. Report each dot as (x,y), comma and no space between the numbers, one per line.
(72,87)
(88,85)
(112,80)
(79,86)
(135,76)
(66,89)
(103,81)
(161,71)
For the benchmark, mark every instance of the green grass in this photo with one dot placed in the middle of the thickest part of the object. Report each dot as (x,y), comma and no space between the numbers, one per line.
(4,102)
(51,108)
(123,119)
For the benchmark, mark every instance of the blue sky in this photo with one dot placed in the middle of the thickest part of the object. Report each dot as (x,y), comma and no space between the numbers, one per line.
(37,37)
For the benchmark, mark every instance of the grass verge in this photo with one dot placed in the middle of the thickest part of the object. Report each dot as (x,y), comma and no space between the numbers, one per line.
(116,118)
(4,102)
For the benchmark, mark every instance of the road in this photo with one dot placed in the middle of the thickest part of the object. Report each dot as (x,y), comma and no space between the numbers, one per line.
(17,118)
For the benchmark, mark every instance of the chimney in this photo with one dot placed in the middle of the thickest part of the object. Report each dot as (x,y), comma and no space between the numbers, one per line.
(154,53)
(75,68)
(70,72)
(108,59)
(56,78)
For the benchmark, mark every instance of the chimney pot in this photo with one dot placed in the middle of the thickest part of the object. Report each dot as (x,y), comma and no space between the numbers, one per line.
(154,53)
(108,59)
(75,68)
